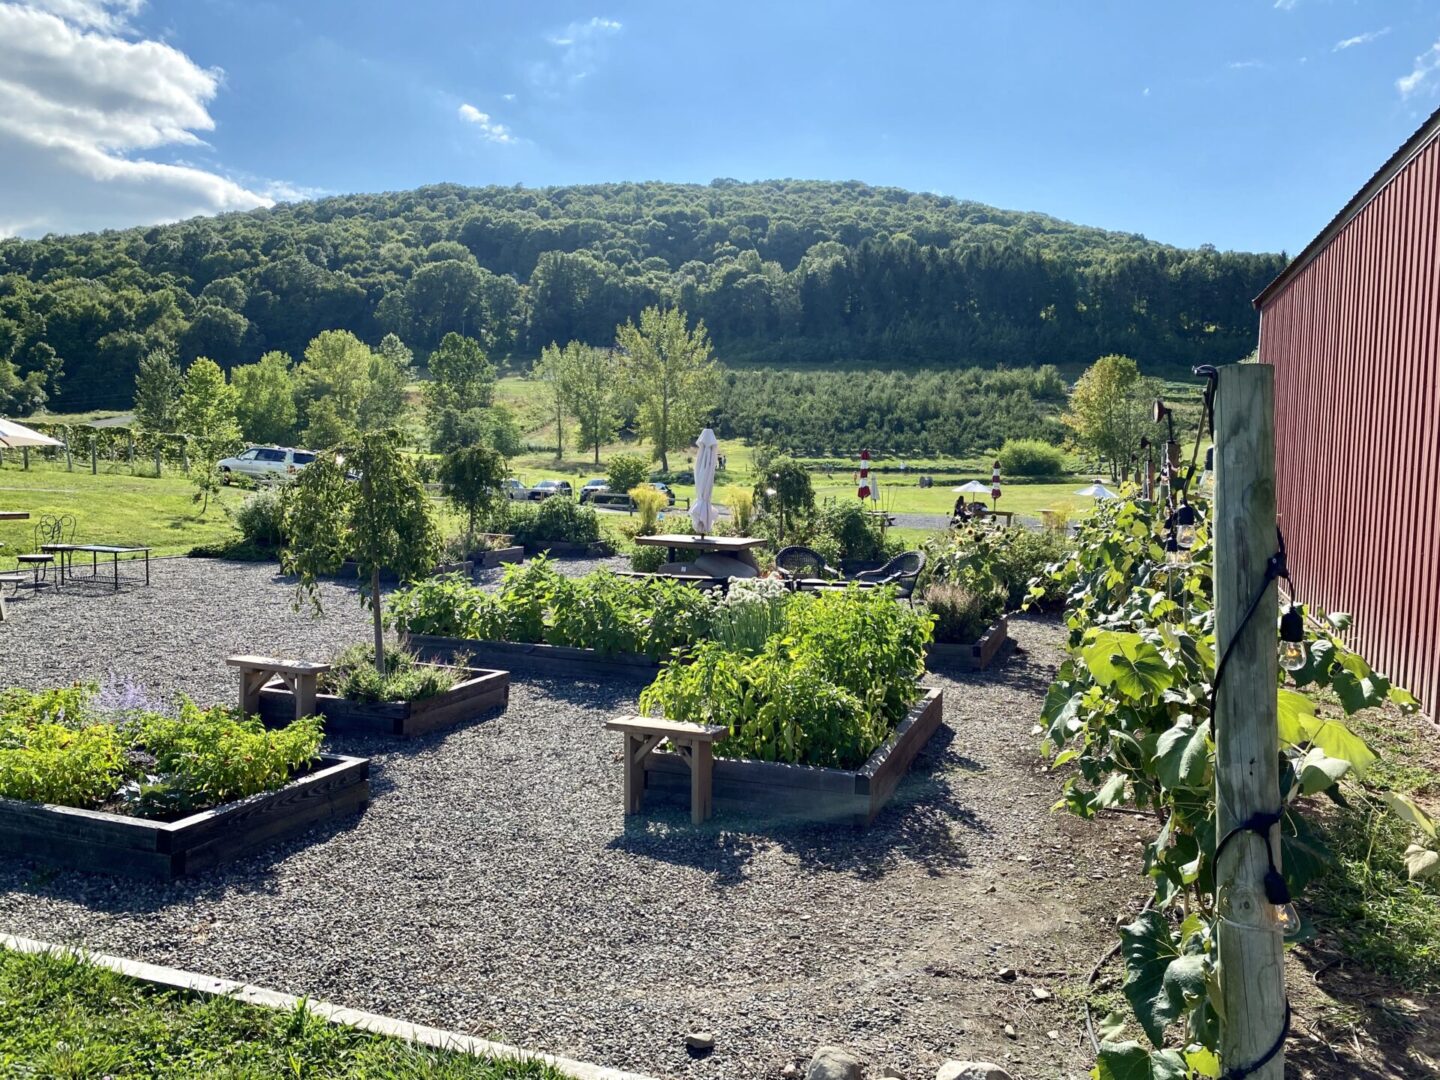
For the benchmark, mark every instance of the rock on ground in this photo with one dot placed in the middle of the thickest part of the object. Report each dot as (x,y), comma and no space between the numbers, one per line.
(833,1063)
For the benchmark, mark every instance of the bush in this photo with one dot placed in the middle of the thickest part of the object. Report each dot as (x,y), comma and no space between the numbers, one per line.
(647,559)
(1031,457)
(352,675)
(986,561)
(650,502)
(741,502)
(626,471)
(854,534)
(962,615)
(261,517)
(556,520)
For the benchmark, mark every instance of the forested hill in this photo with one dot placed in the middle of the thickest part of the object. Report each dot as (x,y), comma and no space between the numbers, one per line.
(780,271)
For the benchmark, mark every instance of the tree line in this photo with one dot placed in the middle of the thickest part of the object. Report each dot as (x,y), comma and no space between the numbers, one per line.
(778,271)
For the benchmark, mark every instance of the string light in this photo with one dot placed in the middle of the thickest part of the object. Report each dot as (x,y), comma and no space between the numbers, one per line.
(1293,654)
(1185,524)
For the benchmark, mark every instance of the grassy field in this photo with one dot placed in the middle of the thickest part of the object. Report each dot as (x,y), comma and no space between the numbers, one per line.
(66,1018)
(112,508)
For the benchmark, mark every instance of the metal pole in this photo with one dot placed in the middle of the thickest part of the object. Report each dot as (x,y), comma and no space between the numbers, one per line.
(1247,781)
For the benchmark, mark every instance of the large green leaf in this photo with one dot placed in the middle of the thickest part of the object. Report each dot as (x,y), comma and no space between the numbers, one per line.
(1299,725)
(1318,770)
(1182,756)
(1127,663)
(1160,984)
(1421,862)
(1405,807)
(1131,1061)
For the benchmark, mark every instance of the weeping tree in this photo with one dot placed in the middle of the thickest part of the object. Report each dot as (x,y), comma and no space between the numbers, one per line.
(470,479)
(365,503)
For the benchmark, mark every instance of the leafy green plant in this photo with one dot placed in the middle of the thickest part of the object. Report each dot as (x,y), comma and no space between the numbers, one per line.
(470,480)
(647,559)
(962,615)
(649,501)
(750,613)
(353,675)
(1031,457)
(261,517)
(626,471)
(1130,711)
(58,763)
(557,520)
(741,502)
(1008,561)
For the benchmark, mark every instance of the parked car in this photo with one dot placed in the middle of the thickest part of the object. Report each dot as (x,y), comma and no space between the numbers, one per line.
(267,463)
(545,488)
(664,490)
(592,488)
(515,490)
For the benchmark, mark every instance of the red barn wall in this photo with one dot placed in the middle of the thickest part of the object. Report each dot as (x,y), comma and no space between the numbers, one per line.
(1353,338)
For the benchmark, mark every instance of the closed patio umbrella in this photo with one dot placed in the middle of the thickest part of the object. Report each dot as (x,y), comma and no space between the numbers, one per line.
(864,485)
(15,435)
(702,509)
(995,484)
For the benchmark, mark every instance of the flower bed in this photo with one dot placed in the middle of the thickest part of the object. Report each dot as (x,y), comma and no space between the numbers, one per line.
(415,699)
(976,655)
(152,791)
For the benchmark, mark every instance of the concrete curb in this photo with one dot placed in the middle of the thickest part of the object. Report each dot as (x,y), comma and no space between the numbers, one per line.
(439,1039)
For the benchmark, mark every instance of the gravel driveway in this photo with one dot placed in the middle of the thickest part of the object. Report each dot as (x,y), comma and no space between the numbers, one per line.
(494,886)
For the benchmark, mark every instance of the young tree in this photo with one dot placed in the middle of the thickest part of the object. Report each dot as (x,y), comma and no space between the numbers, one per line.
(459,398)
(626,471)
(553,371)
(206,413)
(390,372)
(671,375)
(784,489)
(382,520)
(470,479)
(265,393)
(331,382)
(594,390)
(157,392)
(1108,410)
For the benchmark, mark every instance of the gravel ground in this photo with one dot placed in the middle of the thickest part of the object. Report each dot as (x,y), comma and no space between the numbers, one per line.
(494,886)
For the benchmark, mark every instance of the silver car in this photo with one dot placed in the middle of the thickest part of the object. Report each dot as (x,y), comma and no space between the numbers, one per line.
(265,463)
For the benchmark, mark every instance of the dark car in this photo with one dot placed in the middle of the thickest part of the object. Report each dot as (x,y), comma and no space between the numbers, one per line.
(664,489)
(545,488)
(593,488)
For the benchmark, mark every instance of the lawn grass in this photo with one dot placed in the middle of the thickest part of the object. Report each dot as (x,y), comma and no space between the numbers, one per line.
(112,508)
(66,1019)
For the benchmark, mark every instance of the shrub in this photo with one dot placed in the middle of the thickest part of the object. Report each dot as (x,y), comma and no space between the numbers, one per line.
(626,471)
(986,561)
(741,502)
(557,520)
(261,517)
(56,763)
(647,559)
(1031,457)
(650,502)
(854,533)
(353,675)
(962,615)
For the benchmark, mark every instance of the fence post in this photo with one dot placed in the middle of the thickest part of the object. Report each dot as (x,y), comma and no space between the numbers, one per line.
(94,454)
(130,451)
(1247,780)
(69,461)
(157,461)
(25,458)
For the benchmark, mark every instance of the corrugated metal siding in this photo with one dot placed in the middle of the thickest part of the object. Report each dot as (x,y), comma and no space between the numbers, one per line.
(1353,339)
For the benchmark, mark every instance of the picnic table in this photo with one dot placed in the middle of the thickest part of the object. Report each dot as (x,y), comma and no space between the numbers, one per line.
(14,515)
(737,547)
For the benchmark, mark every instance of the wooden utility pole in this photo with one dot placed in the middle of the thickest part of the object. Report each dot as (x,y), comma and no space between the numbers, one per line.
(1247,772)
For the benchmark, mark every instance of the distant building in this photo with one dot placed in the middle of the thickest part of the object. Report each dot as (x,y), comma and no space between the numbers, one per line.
(1352,328)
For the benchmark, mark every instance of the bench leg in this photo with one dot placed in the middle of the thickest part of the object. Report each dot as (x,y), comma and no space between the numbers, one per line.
(634,774)
(251,682)
(702,775)
(305,695)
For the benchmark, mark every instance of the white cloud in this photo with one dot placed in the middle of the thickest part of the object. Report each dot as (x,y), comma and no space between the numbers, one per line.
(1287,5)
(1426,64)
(489,129)
(1360,39)
(582,47)
(507,97)
(81,97)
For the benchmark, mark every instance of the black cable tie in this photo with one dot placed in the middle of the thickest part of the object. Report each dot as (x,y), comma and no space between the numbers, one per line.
(1242,1071)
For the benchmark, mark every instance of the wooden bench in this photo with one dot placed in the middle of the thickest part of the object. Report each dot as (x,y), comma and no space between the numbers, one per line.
(301,676)
(694,743)
(8,579)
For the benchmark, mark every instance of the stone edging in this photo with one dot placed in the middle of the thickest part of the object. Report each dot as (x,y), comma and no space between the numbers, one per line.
(439,1039)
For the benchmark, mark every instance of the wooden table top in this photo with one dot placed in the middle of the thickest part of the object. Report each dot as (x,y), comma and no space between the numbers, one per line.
(702,543)
(14,515)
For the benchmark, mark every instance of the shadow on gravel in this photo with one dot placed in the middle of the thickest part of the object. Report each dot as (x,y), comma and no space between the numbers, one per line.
(254,873)
(922,826)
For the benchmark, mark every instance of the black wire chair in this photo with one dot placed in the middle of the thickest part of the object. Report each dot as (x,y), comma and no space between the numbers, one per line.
(902,572)
(797,562)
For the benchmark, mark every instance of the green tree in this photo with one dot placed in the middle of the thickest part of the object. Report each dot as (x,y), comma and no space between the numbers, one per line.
(382,520)
(331,384)
(157,393)
(1108,410)
(626,471)
(594,388)
(20,397)
(389,373)
(671,375)
(460,395)
(265,392)
(554,372)
(206,413)
(784,489)
(470,479)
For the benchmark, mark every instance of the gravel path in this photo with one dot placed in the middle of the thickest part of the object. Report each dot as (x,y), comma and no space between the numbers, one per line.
(494,886)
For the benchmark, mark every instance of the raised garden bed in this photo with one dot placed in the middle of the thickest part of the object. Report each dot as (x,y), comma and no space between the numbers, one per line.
(335,787)
(493,557)
(804,791)
(561,548)
(482,691)
(975,656)
(351,569)
(533,658)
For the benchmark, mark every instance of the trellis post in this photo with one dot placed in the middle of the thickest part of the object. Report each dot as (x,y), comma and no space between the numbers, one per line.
(1247,780)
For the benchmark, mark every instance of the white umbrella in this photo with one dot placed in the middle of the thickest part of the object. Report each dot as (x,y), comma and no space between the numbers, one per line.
(702,508)
(13,434)
(973,487)
(1098,490)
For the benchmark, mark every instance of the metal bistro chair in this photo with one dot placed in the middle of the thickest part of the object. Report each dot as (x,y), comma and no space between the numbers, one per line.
(796,562)
(901,572)
(53,533)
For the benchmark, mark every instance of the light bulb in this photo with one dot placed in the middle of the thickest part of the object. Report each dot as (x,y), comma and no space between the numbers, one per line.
(1292,655)
(1289,918)
(1185,535)
(1207,478)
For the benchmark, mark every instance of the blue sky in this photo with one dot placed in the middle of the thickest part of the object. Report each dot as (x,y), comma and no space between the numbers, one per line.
(1242,124)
